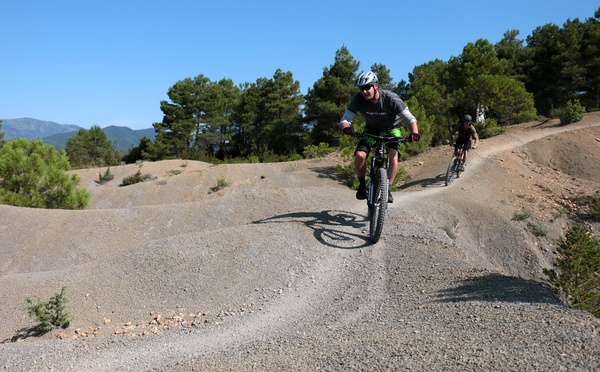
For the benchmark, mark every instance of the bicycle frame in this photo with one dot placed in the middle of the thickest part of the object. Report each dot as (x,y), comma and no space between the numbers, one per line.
(458,158)
(460,152)
(378,186)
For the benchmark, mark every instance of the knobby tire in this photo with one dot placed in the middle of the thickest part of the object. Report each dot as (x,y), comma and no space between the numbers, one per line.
(378,205)
(452,168)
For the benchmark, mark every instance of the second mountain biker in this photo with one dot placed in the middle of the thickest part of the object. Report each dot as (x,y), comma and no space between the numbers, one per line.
(466,131)
(384,112)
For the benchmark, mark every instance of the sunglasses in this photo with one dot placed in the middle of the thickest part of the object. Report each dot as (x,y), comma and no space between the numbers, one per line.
(365,87)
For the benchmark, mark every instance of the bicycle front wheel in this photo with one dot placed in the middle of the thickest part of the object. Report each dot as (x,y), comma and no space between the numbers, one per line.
(451,169)
(378,204)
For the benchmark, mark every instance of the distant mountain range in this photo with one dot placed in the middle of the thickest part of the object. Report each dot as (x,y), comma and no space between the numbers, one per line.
(58,134)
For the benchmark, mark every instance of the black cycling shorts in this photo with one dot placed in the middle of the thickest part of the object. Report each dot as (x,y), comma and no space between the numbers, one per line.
(463,143)
(366,144)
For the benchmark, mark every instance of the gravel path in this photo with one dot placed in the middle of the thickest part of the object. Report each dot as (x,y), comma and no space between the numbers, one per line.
(275,272)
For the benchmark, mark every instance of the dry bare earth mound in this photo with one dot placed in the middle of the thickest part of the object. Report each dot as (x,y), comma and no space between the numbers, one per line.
(275,271)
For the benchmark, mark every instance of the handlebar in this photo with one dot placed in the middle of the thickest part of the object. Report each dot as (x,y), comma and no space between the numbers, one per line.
(385,139)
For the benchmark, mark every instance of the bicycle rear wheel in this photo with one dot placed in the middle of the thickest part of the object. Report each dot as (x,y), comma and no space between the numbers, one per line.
(451,170)
(378,204)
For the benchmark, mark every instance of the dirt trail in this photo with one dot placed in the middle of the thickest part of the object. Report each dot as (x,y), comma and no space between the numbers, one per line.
(275,271)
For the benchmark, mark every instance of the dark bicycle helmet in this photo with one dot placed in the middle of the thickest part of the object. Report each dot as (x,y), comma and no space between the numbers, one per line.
(467,118)
(365,78)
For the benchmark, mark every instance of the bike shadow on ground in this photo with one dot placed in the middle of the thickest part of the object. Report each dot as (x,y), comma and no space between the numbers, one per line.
(496,287)
(329,227)
(437,181)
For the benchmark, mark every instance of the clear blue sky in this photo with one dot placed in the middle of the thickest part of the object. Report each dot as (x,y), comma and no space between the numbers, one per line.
(111,62)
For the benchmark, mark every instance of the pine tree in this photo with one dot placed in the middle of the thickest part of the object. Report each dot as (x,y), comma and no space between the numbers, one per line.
(329,97)
(33,174)
(91,148)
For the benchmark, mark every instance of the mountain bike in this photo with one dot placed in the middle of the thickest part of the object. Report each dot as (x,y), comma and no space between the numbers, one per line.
(455,167)
(378,186)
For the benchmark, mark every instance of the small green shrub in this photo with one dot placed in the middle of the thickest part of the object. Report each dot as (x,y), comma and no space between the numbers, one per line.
(571,113)
(537,229)
(295,157)
(49,314)
(135,178)
(450,231)
(347,152)
(522,215)
(489,128)
(312,151)
(491,132)
(105,177)
(221,183)
(576,277)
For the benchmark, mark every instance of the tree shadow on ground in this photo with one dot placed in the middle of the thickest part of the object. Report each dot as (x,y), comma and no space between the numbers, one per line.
(24,334)
(438,181)
(329,227)
(542,122)
(497,287)
(330,173)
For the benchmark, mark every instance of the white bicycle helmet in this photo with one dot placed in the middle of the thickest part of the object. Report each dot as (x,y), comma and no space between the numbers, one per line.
(365,78)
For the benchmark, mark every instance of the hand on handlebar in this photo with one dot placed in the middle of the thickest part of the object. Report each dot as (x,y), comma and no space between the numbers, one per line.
(349,131)
(414,137)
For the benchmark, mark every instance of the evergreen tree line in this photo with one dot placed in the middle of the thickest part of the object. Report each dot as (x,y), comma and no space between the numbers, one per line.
(508,82)
(512,81)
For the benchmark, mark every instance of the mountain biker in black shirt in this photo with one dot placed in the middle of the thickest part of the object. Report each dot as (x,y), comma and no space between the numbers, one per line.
(466,131)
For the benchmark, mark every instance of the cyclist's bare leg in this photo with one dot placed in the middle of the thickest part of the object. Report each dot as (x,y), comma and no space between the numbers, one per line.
(360,164)
(393,167)
(465,155)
